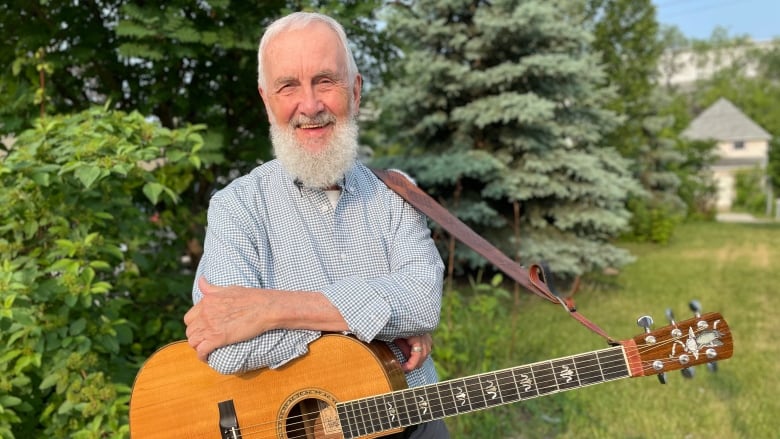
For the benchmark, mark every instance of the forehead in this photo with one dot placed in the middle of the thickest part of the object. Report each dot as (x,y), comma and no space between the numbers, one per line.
(301,50)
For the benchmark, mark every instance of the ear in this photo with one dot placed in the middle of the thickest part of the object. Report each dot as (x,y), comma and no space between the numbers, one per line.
(356,92)
(265,103)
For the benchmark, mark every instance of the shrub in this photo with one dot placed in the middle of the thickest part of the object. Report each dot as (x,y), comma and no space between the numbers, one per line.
(91,241)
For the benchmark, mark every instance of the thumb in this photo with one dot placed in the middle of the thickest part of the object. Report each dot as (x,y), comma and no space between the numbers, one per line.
(205,287)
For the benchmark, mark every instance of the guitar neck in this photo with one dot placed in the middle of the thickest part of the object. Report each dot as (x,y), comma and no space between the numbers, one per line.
(413,406)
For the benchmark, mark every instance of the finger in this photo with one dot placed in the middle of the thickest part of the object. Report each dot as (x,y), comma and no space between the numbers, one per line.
(403,345)
(190,316)
(204,286)
(203,350)
(415,361)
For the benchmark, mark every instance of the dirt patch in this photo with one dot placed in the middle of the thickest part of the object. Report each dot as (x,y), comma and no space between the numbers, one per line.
(756,255)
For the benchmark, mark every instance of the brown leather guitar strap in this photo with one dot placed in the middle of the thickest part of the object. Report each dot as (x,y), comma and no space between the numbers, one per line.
(532,280)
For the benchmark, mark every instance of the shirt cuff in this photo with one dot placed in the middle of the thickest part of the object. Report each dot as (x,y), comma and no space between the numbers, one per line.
(365,311)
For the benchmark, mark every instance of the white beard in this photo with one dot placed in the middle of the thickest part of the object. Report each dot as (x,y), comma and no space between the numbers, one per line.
(324,168)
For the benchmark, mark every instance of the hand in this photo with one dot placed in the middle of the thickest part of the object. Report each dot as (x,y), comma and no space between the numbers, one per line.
(225,315)
(416,349)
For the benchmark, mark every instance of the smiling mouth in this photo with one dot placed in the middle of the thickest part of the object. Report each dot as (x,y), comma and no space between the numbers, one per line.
(312,126)
(319,121)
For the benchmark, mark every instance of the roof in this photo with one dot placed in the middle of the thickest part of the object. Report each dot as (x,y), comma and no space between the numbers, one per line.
(724,121)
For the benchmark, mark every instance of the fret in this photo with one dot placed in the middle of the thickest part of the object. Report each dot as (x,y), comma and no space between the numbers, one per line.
(422,404)
(475,394)
(435,401)
(460,396)
(364,417)
(588,369)
(375,415)
(404,415)
(491,391)
(508,385)
(449,403)
(347,418)
(387,412)
(544,377)
(526,382)
(613,365)
(413,413)
(565,373)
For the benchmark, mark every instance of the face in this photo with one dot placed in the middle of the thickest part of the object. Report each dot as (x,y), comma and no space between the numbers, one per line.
(307,88)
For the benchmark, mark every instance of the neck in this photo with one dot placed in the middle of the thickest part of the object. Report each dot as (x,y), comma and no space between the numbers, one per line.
(454,397)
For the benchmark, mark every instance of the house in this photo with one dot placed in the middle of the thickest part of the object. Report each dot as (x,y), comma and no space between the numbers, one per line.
(741,144)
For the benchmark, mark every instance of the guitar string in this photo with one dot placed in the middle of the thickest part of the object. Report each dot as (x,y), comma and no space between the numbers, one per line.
(613,360)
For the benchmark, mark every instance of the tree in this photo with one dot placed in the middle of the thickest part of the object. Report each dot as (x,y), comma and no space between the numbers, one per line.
(499,108)
(180,61)
(626,34)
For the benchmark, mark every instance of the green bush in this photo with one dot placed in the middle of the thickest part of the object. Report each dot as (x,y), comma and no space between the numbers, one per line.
(750,195)
(91,245)
(652,222)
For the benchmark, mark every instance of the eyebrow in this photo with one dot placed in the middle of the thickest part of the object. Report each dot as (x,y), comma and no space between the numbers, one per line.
(330,74)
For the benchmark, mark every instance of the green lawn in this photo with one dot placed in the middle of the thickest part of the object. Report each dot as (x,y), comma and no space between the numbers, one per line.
(730,268)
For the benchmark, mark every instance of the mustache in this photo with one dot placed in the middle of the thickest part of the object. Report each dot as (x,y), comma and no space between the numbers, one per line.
(323,118)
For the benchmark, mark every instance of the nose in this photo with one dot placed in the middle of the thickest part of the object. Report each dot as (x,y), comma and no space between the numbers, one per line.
(310,104)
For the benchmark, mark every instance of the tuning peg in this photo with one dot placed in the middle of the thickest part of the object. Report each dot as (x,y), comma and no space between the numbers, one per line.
(712,367)
(670,316)
(695,306)
(688,372)
(676,332)
(646,322)
(662,377)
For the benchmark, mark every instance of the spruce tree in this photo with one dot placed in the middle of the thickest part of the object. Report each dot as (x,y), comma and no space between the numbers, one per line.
(499,111)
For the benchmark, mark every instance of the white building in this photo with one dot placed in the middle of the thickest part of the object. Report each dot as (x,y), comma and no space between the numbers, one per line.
(741,144)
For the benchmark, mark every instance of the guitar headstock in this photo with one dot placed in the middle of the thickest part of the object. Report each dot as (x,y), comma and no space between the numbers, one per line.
(680,345)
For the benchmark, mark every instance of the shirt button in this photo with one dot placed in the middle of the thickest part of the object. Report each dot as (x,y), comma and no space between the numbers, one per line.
(324,209)
(343,257)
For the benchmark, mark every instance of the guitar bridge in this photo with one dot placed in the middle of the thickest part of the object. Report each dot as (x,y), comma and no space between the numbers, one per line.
(228,422)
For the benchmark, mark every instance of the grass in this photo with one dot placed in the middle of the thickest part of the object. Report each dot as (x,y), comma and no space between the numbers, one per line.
(730,268)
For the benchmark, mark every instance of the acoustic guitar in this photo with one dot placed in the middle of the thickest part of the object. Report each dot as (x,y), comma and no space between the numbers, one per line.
(344,388)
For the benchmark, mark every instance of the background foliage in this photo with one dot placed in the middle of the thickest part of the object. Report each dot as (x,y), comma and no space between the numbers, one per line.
(90,243)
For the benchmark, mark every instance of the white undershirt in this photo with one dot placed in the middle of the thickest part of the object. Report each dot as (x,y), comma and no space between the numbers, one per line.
(333,196)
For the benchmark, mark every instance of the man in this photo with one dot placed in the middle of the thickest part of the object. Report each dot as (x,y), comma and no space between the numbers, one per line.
(313,241)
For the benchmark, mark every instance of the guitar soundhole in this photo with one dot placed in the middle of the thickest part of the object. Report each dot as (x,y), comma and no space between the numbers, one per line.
(311,418)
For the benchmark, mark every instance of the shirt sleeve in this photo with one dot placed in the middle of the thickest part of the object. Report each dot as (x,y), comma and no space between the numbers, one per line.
(406,301)
(228,258)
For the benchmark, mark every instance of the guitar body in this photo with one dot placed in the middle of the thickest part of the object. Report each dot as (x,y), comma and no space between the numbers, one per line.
(177,395)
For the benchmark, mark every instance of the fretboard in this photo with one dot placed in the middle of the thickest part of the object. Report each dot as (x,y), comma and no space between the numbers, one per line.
(407,407)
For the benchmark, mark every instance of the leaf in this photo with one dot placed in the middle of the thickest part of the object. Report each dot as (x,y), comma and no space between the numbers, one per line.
(87,174)
(78,326)
(100,265)
(49,381)
(153,191)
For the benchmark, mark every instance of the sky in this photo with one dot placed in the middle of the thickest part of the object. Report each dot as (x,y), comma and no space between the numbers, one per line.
(760,19)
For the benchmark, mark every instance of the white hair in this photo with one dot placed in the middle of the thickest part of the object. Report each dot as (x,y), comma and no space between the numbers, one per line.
(299,20)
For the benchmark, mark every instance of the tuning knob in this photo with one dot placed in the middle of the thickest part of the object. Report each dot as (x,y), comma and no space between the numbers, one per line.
(695,306)
(662,377)
(687,372)
(676,332)
(645,322)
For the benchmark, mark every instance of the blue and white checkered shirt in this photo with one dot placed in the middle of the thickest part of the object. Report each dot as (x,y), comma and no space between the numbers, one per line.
(371,255)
